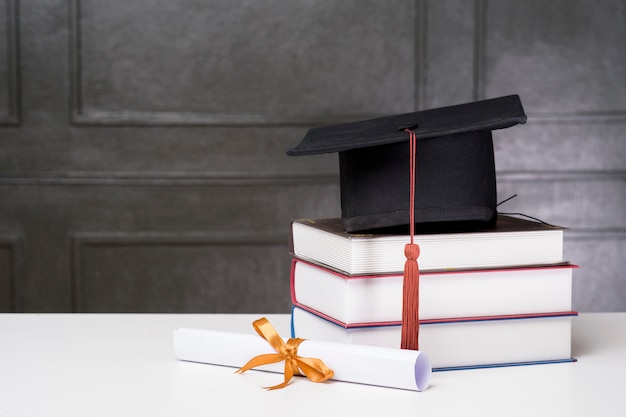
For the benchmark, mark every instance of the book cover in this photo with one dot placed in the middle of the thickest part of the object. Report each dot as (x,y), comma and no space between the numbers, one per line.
(355,299)
(512,242)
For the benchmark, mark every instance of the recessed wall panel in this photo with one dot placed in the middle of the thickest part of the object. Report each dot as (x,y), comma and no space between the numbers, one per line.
(566,146)
(564,57)
(181,273)
(241,61)
(569,200)
(598,284)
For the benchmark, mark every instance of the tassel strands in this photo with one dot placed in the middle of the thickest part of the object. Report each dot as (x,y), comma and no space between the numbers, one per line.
(410,286)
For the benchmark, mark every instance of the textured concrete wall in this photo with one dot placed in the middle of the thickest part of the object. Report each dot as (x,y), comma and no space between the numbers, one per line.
(142,162)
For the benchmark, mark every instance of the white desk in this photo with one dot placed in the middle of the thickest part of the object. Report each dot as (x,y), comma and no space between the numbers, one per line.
(123,365)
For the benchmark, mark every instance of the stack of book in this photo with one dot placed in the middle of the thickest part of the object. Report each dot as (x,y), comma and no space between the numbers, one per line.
(498,297)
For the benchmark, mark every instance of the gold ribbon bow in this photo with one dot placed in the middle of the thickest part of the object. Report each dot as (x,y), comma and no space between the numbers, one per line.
(312,368)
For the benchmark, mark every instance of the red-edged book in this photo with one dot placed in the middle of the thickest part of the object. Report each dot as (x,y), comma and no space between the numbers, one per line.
(354,299)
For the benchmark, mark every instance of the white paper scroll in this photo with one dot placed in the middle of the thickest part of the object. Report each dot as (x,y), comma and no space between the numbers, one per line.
(372,365)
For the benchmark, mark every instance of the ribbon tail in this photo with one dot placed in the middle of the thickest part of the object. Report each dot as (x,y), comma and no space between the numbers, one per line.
(260,360)
(288,375)
(315,369)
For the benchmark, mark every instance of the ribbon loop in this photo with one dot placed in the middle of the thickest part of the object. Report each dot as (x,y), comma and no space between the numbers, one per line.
(313,368)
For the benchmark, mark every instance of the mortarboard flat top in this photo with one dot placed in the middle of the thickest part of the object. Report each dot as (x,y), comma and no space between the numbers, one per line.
(455,180)
(498,113)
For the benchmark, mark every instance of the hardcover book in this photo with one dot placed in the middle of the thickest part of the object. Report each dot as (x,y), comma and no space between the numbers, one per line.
(511,242)
(444,294)
(461,343)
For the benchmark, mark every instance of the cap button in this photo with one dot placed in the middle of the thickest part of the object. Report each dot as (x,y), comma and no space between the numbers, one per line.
(409,126)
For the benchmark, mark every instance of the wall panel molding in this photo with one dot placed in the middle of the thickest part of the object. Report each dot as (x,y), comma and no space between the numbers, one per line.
(171,178)
(11,115)
(420,54)
(13,245)
(600,117)
(143,178)
(589,234)
(560,176)
(480,45)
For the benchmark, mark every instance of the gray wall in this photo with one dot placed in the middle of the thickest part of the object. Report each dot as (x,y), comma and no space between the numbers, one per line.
(142,162)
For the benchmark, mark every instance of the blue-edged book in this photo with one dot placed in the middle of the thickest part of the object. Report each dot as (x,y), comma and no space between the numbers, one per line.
(456,343)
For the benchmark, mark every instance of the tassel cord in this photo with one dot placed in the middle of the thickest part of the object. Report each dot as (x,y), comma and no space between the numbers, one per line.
(410,287)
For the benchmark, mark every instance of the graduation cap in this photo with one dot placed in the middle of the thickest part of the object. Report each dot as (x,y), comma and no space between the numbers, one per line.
(431,169)
(455,181)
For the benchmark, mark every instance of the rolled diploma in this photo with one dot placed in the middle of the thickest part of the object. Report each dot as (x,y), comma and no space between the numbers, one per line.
(372,365)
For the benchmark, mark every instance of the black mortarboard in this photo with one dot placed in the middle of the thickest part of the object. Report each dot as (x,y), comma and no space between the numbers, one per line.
(455,182)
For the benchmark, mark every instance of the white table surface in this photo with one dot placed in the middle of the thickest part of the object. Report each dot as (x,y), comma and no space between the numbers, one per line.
(123,365)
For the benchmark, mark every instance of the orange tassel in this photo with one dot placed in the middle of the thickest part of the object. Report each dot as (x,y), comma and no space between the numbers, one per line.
(411,280)
(410,299)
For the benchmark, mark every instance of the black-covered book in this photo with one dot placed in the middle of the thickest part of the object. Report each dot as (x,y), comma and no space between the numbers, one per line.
(512,242)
